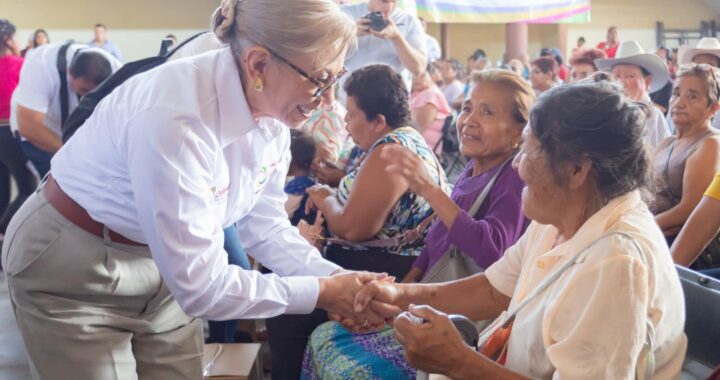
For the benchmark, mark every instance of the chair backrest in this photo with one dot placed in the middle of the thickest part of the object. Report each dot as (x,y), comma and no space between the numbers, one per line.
(449,139)
(702,317)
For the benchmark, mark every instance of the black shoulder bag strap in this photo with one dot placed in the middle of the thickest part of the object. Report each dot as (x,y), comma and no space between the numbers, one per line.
(62,66)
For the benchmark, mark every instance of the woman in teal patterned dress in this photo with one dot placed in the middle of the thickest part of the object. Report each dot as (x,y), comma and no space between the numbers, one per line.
(375,223)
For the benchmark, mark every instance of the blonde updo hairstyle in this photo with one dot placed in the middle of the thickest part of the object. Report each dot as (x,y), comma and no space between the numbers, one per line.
(318,29)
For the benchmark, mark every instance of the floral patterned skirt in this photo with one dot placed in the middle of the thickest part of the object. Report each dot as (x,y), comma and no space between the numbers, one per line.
(336,353)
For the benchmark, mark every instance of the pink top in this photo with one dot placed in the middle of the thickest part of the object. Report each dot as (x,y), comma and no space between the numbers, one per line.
(432,95)
(9,77)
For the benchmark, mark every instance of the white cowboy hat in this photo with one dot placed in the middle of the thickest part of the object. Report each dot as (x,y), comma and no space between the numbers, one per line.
(631,53)
(707,45)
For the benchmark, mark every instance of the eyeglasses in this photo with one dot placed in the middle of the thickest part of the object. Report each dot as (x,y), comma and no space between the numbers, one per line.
(323,85)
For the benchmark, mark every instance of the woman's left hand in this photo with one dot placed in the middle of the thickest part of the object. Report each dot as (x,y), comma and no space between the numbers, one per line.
(434,346)
(410,167)
(316,195)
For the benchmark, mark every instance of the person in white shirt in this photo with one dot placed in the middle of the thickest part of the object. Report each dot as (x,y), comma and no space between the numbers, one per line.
(401,44)
(590,286)
(452,87)
(433,46)
(640,74)
(36,110)
(100,41)
(113,260)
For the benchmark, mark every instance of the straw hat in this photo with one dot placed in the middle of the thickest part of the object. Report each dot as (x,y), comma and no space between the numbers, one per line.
(631,53)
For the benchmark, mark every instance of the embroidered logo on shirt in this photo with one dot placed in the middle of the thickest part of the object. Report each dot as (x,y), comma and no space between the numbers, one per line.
(262,178)
(219,194)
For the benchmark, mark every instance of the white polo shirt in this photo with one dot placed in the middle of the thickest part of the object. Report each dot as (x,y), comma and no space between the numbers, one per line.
(172,157)
(373,50)
(39,86)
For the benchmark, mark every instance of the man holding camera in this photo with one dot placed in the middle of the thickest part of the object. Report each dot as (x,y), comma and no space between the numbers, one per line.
(387,35)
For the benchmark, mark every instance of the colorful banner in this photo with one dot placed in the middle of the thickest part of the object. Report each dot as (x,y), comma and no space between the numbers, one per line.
(498,11)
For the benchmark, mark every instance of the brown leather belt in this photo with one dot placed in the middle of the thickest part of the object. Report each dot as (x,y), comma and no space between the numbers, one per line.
(77,214)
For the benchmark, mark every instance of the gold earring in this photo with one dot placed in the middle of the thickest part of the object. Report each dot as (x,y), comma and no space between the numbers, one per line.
(258,84)
(516,146)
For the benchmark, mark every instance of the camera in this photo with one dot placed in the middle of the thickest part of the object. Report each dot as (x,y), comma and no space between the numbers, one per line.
(377,21)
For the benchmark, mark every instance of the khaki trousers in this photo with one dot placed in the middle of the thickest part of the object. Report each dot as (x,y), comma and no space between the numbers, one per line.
(89,308)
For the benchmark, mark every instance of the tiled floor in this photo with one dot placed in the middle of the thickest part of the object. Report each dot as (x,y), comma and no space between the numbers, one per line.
(13,362)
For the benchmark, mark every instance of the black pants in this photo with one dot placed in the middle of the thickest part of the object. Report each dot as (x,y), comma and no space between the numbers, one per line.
(13,164)
(288,335)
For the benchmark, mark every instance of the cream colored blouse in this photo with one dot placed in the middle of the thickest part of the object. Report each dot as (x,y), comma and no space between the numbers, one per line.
(591,322)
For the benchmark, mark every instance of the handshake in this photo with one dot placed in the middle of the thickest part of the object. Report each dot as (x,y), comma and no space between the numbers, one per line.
(360,301)
(363,301)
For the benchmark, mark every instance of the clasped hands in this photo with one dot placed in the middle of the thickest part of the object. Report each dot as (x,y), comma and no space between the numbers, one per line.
(338,295)
(367,301)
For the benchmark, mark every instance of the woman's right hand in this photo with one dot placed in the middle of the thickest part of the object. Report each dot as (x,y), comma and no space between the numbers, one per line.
(386,292)
(409,166)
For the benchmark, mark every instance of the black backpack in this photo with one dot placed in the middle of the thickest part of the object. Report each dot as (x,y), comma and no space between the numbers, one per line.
(88,102)
(62,66)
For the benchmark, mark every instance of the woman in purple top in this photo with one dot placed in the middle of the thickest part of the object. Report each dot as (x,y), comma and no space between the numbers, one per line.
(490,128)
(484,236)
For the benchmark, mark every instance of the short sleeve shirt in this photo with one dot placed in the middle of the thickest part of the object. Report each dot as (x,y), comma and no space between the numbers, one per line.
(714,190)
(39,87)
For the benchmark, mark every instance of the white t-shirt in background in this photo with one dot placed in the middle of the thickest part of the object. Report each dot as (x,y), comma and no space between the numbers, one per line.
(39,86)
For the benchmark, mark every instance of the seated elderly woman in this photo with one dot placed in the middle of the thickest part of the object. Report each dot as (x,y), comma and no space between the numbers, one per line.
(589,291)
(429,108)
(375,222)
(686,163)
(480,224)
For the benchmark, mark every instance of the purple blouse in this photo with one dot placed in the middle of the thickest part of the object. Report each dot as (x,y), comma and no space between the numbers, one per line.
(499,222)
